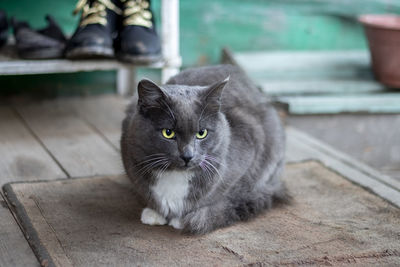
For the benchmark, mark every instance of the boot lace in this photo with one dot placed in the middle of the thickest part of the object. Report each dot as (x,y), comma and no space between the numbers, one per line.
(94,12)
(136,12)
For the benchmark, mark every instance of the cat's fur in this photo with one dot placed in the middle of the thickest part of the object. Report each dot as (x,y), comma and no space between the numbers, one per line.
(235,171)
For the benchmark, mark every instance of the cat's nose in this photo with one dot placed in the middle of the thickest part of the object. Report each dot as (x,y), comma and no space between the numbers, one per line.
(186,158)
(187,154)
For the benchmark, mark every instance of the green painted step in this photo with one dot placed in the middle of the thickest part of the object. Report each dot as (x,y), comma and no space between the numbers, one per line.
(319,87)
(319,82)
(372,103)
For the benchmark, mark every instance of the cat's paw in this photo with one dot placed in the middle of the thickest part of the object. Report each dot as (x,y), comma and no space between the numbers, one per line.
(176,223)
(196,222)
(152,217)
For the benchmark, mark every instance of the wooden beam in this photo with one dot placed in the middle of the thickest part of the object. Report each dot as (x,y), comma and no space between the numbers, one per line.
(303,147)
(14,249)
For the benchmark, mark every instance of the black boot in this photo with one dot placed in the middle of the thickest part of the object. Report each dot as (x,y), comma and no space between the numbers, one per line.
(138,41)
(97,29)
(39,44)
(3,28)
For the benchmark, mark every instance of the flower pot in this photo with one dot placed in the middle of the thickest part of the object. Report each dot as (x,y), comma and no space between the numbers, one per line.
(383,34)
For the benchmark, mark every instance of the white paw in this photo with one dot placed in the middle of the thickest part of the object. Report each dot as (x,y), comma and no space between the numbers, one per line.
(176,223)
(152,217)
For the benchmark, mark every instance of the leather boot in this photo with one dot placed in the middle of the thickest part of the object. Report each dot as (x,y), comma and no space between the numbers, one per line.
(97,30)
(3,28)
(138,41)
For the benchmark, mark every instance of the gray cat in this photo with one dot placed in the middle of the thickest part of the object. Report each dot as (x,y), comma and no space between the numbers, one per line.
(204,150)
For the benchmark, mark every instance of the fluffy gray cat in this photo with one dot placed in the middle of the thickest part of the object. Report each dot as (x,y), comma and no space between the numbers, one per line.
(204,150)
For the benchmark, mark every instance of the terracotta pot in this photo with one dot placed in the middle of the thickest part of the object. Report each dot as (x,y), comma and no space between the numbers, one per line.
(383,33)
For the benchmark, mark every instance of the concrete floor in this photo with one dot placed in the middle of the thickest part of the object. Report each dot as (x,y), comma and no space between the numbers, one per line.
(373,139)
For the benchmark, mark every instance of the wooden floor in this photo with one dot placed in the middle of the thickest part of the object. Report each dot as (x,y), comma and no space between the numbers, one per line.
(79,137)
(43,140)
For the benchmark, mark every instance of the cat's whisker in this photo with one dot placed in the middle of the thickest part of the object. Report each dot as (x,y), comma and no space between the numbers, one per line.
(207,172)
(149,160)
(151,165)
(164,168)
(211,158)
(215,169)
(203,166)
(155,154)
(156,164)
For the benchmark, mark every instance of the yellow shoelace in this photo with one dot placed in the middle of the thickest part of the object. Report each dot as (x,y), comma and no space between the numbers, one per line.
(136,13)
(95,14)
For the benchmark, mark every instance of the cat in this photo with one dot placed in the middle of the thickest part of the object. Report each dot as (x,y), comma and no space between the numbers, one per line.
(204,151)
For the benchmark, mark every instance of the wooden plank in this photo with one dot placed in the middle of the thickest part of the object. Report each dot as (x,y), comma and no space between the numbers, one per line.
(77,147)
(319,87)
(22,156)
(304,147)
(104,113)
(375,103)
(333,153)
(14,249)
(10,64)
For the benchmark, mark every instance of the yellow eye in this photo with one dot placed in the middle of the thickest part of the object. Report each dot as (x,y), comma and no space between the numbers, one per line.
(201,134)
(168,133)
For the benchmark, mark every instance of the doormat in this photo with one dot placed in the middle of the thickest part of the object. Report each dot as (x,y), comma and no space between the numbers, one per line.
(96,222)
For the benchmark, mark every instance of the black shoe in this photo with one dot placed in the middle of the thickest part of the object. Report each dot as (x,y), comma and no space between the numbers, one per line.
(138,41)
(3,28)
(98,27)
(39,44)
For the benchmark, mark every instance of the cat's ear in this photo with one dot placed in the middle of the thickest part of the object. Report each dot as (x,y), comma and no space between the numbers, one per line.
(149,93)
(212,95)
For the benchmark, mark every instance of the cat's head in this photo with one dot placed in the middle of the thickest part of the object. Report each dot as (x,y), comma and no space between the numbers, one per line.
(177,127)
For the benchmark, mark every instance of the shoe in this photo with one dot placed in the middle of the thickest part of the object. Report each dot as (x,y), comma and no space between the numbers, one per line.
(46,43)
(138,41)
(98,27)
(3,28)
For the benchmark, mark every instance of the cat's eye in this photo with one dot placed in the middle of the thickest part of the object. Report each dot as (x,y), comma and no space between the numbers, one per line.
(168,133)
(201,134)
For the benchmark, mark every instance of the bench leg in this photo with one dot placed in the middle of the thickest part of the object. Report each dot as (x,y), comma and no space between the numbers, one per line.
(170,38)
(126,81)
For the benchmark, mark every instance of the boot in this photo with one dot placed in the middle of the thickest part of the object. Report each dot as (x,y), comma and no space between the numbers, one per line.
(97,29)
(39,44)
(138,41)
(3,28)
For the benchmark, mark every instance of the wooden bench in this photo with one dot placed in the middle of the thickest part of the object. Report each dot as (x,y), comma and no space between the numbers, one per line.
(10,64)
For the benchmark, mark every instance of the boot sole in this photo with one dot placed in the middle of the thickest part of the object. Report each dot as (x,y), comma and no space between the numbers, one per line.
(90,52)
(47,53)
(139,59)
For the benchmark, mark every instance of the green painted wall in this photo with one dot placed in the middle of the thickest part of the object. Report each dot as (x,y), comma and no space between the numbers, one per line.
(243,25)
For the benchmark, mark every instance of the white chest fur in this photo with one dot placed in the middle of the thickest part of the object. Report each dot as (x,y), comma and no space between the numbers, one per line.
(170,190)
